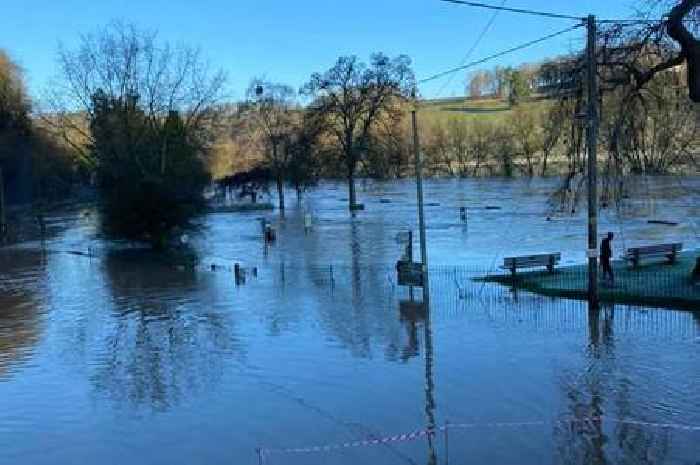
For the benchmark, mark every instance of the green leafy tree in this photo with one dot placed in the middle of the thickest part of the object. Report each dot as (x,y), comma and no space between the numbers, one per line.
(145,114)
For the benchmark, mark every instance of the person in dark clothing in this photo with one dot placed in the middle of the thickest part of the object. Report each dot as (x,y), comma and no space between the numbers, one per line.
(606,256)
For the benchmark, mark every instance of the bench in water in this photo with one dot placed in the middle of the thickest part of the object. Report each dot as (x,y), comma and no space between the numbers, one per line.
(549,260)
(668,251)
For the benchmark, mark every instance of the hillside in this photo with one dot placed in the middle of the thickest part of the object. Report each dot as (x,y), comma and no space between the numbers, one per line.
(490,109)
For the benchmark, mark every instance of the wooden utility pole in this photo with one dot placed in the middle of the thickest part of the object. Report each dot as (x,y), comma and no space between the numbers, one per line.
(419,189)
(592,142)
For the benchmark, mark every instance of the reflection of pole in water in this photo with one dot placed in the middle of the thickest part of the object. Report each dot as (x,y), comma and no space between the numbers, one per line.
(594,327)
(597,440)
(429,387)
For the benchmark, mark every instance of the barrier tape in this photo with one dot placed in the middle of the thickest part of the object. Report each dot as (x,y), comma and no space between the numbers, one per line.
(263,452)
(364,443)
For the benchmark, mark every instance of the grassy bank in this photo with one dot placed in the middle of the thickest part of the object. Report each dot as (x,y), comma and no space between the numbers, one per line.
(653,284)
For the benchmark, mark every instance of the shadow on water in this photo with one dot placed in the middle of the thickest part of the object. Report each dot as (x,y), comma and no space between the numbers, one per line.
(161,343)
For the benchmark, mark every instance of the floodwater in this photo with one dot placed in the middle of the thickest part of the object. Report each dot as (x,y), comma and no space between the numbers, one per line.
(121,358)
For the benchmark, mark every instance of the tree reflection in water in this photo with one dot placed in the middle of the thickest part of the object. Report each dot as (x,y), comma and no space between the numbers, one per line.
(164,340)
(583,436)
(21,315)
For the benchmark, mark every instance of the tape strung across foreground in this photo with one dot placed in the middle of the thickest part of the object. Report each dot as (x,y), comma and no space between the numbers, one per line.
(263,452)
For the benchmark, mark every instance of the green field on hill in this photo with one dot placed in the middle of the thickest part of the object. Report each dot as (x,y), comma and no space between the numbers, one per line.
(463,108)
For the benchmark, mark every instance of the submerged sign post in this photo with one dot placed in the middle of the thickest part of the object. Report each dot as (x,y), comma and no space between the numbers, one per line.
(410,273)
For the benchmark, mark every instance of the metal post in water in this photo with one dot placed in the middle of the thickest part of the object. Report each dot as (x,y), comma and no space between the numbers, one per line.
(410,258)
(592,141)
(419,189)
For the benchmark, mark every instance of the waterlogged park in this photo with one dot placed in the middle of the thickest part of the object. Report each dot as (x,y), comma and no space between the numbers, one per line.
(109,347)
(373,263)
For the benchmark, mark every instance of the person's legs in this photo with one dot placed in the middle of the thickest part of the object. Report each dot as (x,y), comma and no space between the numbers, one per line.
(604,267)
(607,271)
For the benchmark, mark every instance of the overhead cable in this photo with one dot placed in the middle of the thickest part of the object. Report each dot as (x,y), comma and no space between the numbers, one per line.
(498,55)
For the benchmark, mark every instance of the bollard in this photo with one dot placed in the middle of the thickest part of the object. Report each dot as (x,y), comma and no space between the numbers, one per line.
(463,214)
(270,235)
(237,273)
(308,222)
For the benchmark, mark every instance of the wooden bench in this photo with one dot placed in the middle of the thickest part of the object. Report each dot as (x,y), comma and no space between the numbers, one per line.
(549,260)
(668,251)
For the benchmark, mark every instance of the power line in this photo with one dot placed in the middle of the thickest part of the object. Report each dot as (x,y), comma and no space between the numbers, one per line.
(515,10)
(471,50)
(498,55)
(547,14)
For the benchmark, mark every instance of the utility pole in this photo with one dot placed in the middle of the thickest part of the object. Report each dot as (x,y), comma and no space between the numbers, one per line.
(419,189)
(592,142)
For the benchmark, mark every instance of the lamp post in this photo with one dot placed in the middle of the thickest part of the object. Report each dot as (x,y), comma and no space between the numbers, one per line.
(419,192)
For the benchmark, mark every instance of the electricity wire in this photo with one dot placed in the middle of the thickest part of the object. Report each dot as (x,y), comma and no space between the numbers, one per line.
(473,48)
(498,55)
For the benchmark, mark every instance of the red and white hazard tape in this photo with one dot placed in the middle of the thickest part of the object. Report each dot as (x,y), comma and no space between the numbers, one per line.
(365,443)
(263,453)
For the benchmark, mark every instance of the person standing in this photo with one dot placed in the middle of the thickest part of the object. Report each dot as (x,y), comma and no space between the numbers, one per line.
(606,256)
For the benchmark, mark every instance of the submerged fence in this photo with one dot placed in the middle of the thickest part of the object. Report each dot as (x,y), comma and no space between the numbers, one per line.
(491,295)
(653,285)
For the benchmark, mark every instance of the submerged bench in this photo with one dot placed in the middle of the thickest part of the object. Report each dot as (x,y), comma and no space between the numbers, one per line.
(668,251)
(549,260)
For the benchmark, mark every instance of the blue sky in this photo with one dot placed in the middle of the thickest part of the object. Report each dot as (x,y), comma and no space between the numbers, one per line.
(287,40)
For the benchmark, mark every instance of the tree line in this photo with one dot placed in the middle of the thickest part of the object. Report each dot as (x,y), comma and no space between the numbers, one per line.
(148,125)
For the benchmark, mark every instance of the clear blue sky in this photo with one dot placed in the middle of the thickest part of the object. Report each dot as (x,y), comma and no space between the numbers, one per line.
(288,40)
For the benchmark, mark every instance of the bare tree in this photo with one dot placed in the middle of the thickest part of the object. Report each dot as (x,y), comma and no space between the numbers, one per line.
(685,33)
(123,62)
(354,97)
(437,148)
(272,108)
(459,144)
(640,68)
(528,136)
(553,123)
(482,140)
